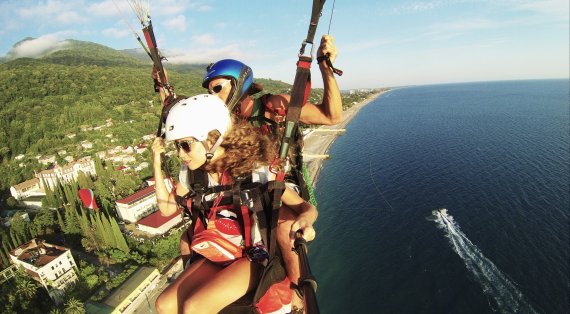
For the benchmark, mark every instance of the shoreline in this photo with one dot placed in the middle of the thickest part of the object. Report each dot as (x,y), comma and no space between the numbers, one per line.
(318,143)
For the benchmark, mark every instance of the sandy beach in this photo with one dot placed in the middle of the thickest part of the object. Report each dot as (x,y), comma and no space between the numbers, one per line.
(318,140)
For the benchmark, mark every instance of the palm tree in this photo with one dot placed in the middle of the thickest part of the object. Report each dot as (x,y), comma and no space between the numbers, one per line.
(27,288)
(74,306)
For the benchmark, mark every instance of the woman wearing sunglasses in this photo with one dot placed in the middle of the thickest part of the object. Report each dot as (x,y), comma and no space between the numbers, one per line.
(203,134)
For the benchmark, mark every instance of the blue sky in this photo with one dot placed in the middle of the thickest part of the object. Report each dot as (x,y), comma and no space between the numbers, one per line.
(380,43)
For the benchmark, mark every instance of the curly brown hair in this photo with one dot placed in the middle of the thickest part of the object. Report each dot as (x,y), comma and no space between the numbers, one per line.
(246,148)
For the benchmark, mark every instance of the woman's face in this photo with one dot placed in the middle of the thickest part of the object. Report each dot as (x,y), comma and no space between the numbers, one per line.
(220,87)
(191,152)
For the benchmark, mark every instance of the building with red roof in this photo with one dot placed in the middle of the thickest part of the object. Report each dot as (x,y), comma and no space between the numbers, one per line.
(137,205)
(157,224)
(51,265)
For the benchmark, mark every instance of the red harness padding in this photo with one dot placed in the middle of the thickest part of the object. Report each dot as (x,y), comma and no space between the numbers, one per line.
(223,239)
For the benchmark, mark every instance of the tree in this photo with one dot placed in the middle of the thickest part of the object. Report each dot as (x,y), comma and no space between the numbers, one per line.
(90,240)
(27,288)
(60,220)
(119,238)
(20,227)
(44,221)
(74,306)
(11,202)
(72,225)
(108,231)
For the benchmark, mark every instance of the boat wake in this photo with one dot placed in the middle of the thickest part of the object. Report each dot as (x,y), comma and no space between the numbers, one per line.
(506,296)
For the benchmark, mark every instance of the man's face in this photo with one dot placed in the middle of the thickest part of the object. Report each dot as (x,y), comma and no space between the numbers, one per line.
(220,87)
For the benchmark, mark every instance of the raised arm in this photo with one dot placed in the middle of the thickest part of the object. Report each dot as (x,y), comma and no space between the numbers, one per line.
(165,199)
(330,111)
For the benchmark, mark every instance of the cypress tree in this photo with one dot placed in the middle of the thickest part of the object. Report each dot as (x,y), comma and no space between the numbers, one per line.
(88,231)
(99,169)
(108,231)
(121,242)
(101,232)
(15,239)
(75,192)
(60,193)
(50,198)
(60,220)
(96,230)
(72,223)
(5,253)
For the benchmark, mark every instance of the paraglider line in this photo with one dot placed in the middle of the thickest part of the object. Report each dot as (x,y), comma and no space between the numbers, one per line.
(376,186)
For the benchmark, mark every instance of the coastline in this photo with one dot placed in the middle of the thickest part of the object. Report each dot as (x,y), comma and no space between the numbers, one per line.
(318,142)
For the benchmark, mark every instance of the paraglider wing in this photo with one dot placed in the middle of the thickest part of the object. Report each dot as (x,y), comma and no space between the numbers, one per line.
(88,199)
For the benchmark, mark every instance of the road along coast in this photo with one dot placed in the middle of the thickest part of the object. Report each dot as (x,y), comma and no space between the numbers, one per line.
(317,141)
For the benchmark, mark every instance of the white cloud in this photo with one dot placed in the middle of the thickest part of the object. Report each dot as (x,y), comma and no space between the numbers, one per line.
(444,31)
(415,7)
(206,55)
(176,23)
(205,39)
(36,47)
(109,8)
(50,7)
(169,8)
(221,25)
(69,17)
(53,10)
(553,8)
(204,8)
(116,32)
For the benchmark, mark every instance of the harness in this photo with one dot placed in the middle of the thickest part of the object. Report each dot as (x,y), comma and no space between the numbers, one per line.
(258,198)
(276,127)
(258,118)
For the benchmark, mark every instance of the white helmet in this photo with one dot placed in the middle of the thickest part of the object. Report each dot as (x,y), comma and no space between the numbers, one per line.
(196,116)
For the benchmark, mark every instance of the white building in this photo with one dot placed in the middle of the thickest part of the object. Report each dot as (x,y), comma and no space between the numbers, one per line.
(27,188)
(51,265)
(46,160)
(137,205)
(156,224)
(67,173)
(34,187)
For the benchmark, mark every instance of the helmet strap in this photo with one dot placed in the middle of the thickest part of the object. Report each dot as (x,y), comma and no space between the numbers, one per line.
(235,96)
(210,151)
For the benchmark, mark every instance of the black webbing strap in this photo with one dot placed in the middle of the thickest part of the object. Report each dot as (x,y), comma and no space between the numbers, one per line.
(299,94)
(236,198)
(278,187)
(298,97)
(301,84)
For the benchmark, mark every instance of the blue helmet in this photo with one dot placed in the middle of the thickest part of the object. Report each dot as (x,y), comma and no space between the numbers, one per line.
(240,74)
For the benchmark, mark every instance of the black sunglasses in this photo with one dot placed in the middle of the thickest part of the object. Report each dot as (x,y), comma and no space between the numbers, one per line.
(185,145)
(218,88)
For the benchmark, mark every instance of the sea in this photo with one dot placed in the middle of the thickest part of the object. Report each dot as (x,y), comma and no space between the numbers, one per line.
(495,155)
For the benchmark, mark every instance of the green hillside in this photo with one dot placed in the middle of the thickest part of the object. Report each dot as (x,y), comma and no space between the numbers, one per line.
(86,85)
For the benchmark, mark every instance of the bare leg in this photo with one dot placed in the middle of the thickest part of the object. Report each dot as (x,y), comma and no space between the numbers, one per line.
(228,285)
(171,300)
(290,258)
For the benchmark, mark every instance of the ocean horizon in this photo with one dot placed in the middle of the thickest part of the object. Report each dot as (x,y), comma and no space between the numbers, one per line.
(495,155)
